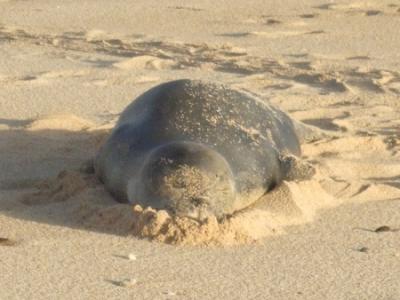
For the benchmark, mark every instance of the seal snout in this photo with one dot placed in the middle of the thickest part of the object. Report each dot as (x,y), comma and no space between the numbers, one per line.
(188,179)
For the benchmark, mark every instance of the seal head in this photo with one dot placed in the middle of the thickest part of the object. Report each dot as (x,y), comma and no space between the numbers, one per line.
(187,179)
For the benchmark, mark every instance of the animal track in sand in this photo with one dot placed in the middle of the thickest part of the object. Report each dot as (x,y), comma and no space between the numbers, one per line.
(366,8)
(140,53)
(370,80)
(165,54)
(325,124)
(330,120)
(391,181)
(351,189)
(392,137)
(372,12)
(322,82)
(359,57)
(277,34)
(278,86)
(316,32)
(272,22)
(345,157)
(188,8)
(235,34)
(308,16)
(6,241)
(43,77)
(269,34)
(345,6)
(340,103)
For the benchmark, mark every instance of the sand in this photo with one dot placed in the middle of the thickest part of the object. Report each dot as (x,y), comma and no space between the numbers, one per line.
(68,68)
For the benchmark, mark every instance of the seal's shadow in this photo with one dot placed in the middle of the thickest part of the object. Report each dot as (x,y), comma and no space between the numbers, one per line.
(46,179)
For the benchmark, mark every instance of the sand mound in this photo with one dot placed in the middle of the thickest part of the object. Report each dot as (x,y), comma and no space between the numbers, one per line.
(66,185)
(145,62)
(61,122)
(89,205)
(291,203)
(162,227)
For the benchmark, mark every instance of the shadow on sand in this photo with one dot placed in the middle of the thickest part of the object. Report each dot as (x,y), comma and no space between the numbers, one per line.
(47,179)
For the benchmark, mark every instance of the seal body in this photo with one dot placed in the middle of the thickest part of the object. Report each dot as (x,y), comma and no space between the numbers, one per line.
(196,149)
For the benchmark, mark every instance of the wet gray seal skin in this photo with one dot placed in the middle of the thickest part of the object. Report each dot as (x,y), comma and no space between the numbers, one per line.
(196,149)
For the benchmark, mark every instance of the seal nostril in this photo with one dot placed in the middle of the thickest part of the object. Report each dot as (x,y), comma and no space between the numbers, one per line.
(180,183)
(272,185)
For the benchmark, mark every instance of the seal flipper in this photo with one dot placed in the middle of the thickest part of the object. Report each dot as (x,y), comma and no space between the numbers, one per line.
(296,169)
(306,133)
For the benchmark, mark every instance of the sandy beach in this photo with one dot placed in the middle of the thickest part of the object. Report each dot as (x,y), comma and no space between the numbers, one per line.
(68,69)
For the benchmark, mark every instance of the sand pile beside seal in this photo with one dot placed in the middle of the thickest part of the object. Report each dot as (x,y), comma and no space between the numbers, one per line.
(291,203)
(90,205)
(84,201)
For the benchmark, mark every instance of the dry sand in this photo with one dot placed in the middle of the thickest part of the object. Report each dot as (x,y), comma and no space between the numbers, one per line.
(68,68)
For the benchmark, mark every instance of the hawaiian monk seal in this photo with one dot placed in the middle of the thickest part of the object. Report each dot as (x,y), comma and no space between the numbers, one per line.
(196,149)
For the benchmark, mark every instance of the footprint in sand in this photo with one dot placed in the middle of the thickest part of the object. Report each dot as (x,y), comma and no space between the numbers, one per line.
(334,121)
(308,16)
(188,8)
(272,22)
(362,7)
(372,80)
(276,34)
(278,86)
(359,57)
(342,6)
(325,124)
(235,34)
(393,181)
(315,32)
(303,65)
(321,82)
(337,123)
(265,34)
(372,13)
(6,241)
(46,77)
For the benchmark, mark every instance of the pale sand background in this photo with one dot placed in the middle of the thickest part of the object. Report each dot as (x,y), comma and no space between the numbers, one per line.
(335,65)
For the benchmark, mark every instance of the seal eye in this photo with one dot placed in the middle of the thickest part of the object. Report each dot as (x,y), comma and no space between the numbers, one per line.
(198,201)
(272,185)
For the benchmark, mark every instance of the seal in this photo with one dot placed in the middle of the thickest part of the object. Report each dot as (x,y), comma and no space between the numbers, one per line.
(197,149)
